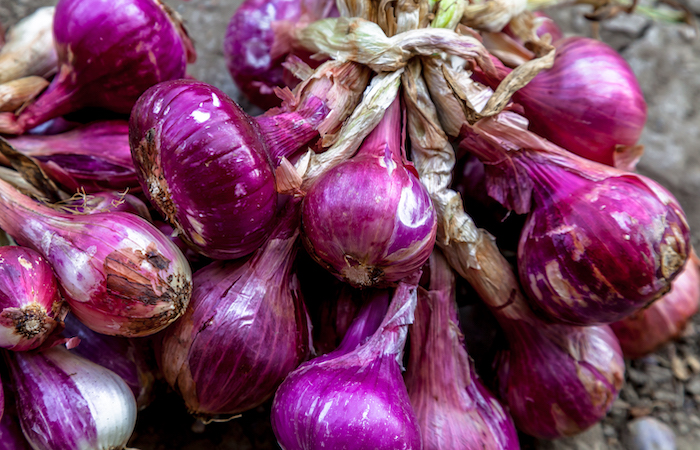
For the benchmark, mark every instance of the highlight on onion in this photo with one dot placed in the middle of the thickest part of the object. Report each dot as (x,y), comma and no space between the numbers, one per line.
(118,273)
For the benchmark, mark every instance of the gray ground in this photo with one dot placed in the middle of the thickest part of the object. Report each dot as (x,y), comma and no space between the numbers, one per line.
(665,385)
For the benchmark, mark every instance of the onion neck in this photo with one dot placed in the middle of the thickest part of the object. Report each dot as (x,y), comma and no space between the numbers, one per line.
(16,209)
(57,100)
(287,134)
(386,138)
(366,322)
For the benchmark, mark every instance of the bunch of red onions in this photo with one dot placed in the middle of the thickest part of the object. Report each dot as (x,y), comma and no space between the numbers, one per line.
(356,163)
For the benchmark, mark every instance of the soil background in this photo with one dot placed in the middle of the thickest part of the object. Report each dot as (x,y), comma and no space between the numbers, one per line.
(665,385)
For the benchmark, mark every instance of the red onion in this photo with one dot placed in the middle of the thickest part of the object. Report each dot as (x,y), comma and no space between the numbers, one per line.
(589,102)
(557,380)
(664,320)
(30,302)
(369,220)
(184,134)
(29,49)
(109,53)
(353,397)
(249,41)
(66,402)
(454,409)
(128,358)
(118,273)
(91,157)
(545,26)
(244,331)
(598,243)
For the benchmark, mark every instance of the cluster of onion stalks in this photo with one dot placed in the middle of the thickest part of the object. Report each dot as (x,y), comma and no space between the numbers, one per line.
(355,159)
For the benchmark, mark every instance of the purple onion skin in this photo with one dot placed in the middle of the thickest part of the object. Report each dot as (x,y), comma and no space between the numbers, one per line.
(30,302)
(664,320)
(354,397)
(66,402)
(118,273)
(599,243)
(125,357)
(547,25)
(184,134)
(369,220)
(245,330)
(249,40)
(11,436)
(559,380)
(588,102)
(109,52)
(93,157)
(454,410)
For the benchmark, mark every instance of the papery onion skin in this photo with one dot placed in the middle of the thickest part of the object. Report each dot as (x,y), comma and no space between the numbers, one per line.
(128,358)
(29,49)
(599,243)
(453,408)
(30,301)
(589,102)
(92,157)
(66,402)
(559,380)
(184,134)
(109,52)
(118,273)
(664,320)
(245,330)
(249,41)
(352,398)
(369,220)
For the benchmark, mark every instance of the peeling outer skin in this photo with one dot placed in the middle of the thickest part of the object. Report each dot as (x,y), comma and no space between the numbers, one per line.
(493,15)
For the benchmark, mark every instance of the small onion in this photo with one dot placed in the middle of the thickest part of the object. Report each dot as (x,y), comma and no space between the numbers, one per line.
(249,39)
(109,53)
(453,408)
(184,135)
(664,320)
(599,243)
(589,102)
(66,402)
(245,330)
(30,302)
(128,358)
(29,49)
(369,220)
(92,157)
(118,273)
(353,397)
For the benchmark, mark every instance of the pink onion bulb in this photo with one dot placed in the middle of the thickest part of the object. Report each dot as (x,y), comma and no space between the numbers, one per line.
(369,220)
(244,331)
(30,302)
(664,320)
(118,273)
(599,243)
(204,164)
(453,408)
(353,397)
(109,53)
(589,102)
